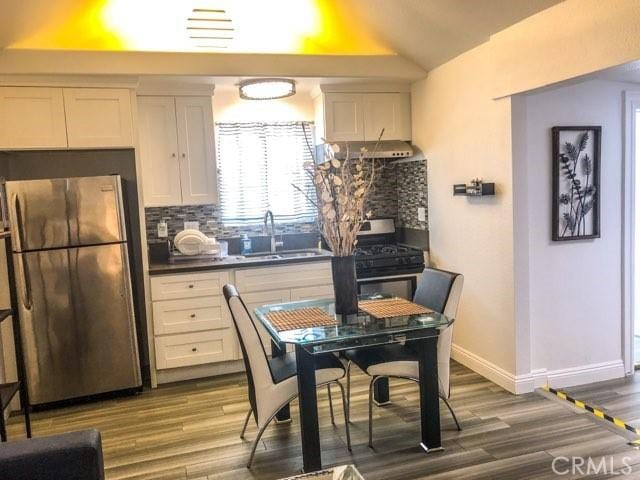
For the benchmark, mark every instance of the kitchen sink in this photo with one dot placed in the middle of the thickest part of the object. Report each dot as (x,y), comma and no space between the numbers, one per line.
(262,256)
(284,254)
(300,254)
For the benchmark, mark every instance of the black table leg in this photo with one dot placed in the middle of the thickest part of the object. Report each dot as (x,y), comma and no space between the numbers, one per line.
(278,350)
(381,392)
(309,430)
(429,396)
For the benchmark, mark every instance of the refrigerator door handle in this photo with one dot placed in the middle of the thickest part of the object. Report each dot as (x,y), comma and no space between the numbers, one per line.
(17,214)
(27,301)
(3,204)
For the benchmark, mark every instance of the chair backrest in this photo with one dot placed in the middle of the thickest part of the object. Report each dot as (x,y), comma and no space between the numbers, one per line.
(441,290)
(255,358)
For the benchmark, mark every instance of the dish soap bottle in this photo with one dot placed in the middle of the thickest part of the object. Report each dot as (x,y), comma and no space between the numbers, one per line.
(245,244)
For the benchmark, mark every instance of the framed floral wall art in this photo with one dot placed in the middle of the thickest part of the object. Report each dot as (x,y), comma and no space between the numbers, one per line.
(576,183)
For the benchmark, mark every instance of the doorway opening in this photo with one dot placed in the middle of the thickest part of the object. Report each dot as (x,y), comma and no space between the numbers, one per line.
(634,131)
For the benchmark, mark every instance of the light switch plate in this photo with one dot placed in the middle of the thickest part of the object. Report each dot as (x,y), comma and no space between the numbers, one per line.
(422,214)
(191,226)
(163,231)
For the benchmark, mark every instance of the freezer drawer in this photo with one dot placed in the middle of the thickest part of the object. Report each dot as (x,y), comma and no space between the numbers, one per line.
(65,212)
(78,329)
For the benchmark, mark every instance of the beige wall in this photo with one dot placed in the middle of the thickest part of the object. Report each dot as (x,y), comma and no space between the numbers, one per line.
(229,107)
(462,121)
(464,134)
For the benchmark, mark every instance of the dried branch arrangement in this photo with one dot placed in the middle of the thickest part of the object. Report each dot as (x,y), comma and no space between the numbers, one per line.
(341,191)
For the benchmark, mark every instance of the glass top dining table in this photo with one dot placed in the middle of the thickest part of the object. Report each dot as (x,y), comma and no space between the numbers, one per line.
(351,331)
(360,330)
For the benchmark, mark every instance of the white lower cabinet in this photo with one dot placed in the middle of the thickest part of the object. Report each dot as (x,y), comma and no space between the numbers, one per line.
(190,315)
(257,299)
(192,323)
(311,293)
(188,285)
(283,277)
(188,349)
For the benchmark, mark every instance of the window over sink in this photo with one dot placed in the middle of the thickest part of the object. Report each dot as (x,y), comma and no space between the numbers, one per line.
(259,164)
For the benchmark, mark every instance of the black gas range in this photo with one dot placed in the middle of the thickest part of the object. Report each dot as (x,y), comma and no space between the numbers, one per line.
(379,255)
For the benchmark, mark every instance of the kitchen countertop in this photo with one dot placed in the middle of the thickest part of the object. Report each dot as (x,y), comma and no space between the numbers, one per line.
(234,261)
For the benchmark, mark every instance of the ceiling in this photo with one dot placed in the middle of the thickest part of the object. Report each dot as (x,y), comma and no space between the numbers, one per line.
(427,32)
(431,32)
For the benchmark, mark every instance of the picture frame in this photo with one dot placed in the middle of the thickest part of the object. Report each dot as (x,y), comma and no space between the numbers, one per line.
(576,183)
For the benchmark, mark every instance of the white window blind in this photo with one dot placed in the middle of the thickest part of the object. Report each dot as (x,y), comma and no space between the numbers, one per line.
(258,165)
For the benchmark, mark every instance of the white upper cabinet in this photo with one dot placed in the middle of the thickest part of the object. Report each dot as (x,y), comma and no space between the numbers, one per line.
(98,117)
(344,117)
(195,142)
(39,118)
(353,117)
(32,118)
(391,111)
(159,151)
(177,150)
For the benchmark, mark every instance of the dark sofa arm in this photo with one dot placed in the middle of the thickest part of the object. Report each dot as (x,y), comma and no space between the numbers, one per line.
(71,456)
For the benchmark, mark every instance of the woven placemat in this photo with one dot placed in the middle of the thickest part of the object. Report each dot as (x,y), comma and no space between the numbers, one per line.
(300,318)
(392,307)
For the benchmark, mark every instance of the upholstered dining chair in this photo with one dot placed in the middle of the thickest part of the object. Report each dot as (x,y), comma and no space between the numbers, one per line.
(439,290)
(273,382)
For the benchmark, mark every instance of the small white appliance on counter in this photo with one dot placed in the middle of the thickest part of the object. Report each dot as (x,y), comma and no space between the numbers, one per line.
(193,244)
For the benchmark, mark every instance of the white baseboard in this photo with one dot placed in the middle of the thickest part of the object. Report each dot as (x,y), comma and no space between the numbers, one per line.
(595,372)
(567,377)
(199,371)
(485,368)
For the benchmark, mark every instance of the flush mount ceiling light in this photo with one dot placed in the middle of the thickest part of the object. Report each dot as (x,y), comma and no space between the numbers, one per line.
(267,88)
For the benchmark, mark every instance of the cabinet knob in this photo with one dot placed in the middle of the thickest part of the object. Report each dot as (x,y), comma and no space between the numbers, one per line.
(194,349)
(193,315)
(184,155)
(191,285)
(173,155)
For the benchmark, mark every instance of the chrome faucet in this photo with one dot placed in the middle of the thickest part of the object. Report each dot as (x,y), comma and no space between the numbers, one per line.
(274,243)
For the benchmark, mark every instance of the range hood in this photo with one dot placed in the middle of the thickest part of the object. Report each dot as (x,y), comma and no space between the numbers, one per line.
(385,149)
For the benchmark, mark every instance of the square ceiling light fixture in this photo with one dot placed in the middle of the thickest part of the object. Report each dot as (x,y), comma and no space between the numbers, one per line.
(267,88)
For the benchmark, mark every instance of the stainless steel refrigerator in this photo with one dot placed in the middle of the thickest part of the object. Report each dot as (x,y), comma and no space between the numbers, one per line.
(74,287)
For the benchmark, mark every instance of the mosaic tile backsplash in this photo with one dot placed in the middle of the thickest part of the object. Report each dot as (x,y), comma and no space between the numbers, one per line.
(398,192)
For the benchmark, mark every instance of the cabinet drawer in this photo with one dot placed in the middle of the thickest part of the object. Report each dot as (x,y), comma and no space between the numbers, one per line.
(188,285)
(173,351)
(312,293)
(190,315)
(283,277)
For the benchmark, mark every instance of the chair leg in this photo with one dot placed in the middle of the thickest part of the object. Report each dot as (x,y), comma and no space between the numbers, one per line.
(371,386)
(246,422)
(345,408)
(455,419)
(255,443)
(3,428)
(349,389)
(333,420)
(27,421)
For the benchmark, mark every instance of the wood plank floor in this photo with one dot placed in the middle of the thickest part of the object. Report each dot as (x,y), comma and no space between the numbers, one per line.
(190,430)
(619,398)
